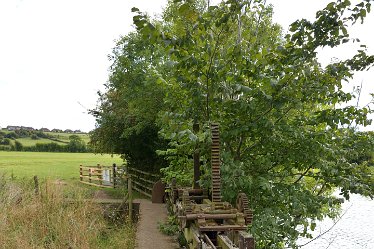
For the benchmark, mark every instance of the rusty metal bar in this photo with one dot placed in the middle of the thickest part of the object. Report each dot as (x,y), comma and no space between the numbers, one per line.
(222,228)
(208,216)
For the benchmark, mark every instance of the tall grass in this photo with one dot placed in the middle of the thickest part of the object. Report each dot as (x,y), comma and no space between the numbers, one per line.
(45,220)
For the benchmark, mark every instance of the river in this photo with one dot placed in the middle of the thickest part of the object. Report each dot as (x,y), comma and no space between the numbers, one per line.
(355,230)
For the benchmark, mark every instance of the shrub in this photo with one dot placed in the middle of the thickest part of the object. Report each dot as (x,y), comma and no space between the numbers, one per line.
(18,146)
(5,141)
(34,137)
(11,135)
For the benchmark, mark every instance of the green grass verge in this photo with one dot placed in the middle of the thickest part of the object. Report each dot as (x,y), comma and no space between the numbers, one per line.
(64,166)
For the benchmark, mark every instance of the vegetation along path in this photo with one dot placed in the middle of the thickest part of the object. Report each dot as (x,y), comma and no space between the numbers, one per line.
(148,235)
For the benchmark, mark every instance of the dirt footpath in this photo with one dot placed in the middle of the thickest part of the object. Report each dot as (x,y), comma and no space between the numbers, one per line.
(148,235)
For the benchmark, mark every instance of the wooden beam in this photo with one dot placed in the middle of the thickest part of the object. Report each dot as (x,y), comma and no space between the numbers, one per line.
(225,243)
(97,185)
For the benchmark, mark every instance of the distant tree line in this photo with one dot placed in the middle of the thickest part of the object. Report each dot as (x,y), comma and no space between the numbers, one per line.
(23,134)
(75,144)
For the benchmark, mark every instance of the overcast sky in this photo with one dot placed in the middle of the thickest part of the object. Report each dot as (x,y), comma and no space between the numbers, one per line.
(53,54)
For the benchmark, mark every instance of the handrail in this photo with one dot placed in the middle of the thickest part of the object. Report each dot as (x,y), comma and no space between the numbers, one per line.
(144,172)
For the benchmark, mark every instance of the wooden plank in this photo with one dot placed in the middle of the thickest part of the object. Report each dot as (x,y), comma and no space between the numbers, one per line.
(225,243)
(97,185)
(142,179)
(91,178)
(141,191)
(221,228)
(92,175)
(246,241)
(143,172)
(95,167)
(141,185)
(209,242)
(209,216)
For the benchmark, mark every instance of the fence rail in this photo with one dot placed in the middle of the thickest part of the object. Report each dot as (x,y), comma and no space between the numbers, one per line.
(142,181)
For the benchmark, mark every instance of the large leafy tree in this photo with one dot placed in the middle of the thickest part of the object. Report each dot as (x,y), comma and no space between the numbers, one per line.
(126,112)
(289,134)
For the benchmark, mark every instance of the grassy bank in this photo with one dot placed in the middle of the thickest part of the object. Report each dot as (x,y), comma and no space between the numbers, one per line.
(45,220)
(63,166)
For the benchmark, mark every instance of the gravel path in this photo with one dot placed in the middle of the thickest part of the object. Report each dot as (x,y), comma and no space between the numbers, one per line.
(148,235)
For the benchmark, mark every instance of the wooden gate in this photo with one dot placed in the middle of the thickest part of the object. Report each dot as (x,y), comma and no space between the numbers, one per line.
(99,175)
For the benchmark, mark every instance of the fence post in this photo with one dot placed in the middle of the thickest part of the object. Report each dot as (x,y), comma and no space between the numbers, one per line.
(81,172)
(129,189)
(100,172)
(89,174)
(36,183)
(114,175)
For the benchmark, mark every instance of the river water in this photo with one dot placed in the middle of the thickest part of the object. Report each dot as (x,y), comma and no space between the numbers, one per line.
(355,230)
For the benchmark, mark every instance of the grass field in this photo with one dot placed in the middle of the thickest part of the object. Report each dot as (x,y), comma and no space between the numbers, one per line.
(64,166)
(61,136)
(31,142)
(65,136)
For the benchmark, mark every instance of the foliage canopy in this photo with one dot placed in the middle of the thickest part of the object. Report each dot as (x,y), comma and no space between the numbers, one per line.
(288,129)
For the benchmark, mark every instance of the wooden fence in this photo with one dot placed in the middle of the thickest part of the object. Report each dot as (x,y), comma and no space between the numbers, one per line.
(143,182)
(99,175)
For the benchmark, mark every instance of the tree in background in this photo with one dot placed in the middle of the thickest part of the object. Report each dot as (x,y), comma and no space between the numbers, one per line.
(17,146)
(288,130)
(76,144)
(126,114)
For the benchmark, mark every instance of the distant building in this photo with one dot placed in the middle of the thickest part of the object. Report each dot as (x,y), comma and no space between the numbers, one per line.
(68,131)
(44,130)
(27,128)
(13,128)
(77,131)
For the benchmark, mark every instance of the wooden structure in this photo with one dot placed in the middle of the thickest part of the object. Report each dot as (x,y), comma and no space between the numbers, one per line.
(212,223)
(99,176)
(143,182)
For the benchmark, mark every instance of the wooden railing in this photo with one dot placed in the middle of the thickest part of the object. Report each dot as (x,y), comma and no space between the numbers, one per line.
(142,181)
(99,175)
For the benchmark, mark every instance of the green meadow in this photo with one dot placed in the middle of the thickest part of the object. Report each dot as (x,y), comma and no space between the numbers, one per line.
(64,166)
